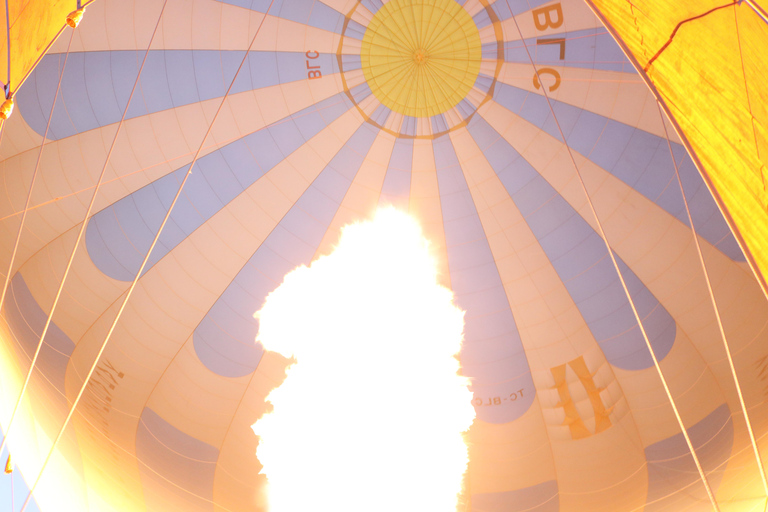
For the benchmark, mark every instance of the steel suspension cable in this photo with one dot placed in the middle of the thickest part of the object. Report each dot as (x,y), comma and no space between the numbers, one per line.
(149,252)
(81,231)
(707,279)
(82,227)
(611,254)
(18,239)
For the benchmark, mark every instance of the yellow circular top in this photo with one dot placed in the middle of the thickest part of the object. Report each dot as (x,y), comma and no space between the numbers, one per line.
(421,57)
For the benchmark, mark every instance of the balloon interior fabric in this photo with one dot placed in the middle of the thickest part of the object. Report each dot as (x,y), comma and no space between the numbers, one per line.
(707,61)
(435,107)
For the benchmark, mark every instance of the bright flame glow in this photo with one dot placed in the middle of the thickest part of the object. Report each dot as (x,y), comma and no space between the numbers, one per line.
(371,415)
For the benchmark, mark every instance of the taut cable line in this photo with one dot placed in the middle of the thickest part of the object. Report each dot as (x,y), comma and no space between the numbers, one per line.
(611,254)
(716,310)
(16,248)
(129,292)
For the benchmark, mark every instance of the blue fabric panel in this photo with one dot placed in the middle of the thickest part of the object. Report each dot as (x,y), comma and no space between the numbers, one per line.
(254,5)
(354,30)
(581,260)
(360,92)
(504,9)
(188,463)
(490,51)
(351,62)
(483,83)
(372,5)
(408,127)
(638,158)
(671,467)
(465,109)
(26,320)
(96,85)
(396,189)
(482,19)
(380,115)
(592,48)
(119,236)
(537,498)
(224,339)
(439,124)
(307,12)
(492,355)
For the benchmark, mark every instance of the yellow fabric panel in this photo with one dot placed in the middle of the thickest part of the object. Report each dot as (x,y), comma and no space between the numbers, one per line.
(440,54)
(31,26)
(713,79)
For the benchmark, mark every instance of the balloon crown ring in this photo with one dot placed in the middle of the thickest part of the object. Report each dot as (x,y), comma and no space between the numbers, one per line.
(406,51)
(424,66)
